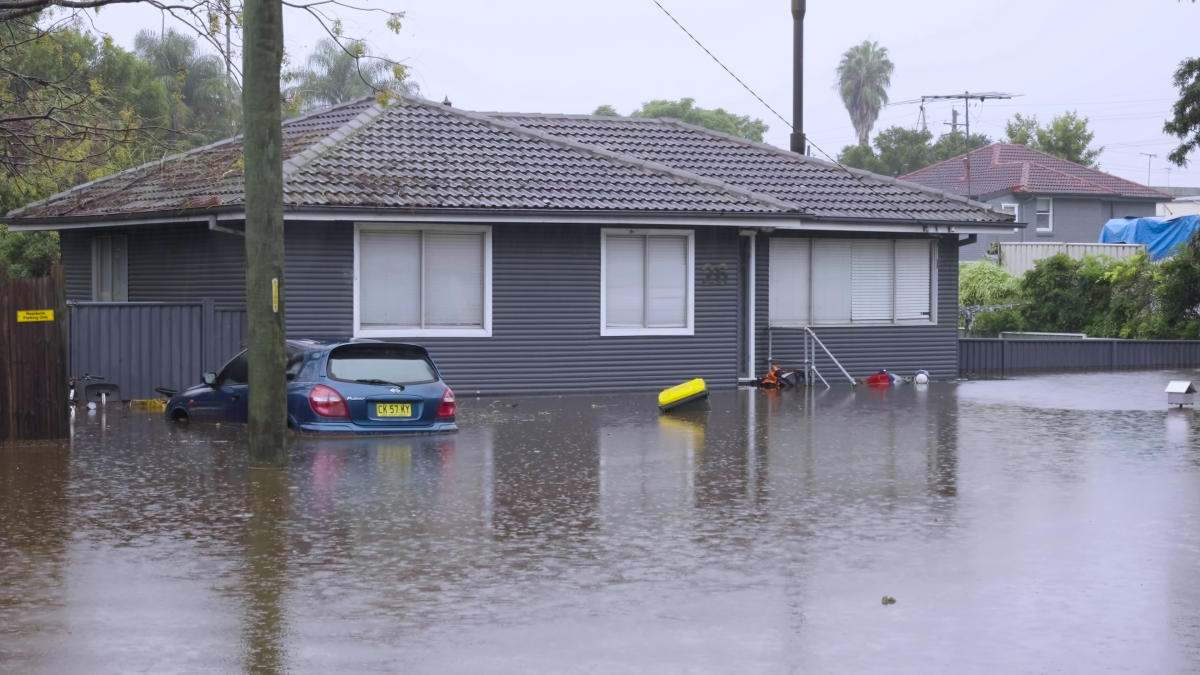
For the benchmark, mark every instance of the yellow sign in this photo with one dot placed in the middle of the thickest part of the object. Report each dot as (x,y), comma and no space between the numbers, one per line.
(35,315)
(275,295)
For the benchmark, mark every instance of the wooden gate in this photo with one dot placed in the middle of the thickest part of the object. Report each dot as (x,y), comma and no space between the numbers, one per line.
(33,358)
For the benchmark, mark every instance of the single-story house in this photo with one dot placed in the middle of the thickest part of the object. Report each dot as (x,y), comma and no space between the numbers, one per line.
(1060,201)
(540,253)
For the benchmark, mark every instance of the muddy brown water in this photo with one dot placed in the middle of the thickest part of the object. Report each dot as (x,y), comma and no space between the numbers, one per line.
(1045,524)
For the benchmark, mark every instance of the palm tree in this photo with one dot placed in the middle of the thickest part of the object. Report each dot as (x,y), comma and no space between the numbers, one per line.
(864,75)
(336,73)
(202,108)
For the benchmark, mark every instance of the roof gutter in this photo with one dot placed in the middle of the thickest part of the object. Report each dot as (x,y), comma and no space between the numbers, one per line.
(782,221)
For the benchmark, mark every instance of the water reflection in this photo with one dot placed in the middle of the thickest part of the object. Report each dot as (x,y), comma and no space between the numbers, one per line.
(568,534)
(266,574)
(34,535)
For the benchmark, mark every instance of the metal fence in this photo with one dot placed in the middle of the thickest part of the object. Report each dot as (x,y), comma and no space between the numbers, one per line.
(142,345)
(994,357)
(1018,257)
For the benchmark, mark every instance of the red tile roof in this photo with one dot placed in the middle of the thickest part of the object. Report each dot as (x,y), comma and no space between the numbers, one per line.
(1007,167)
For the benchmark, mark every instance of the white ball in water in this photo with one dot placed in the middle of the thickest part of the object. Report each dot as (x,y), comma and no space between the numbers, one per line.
(921,378)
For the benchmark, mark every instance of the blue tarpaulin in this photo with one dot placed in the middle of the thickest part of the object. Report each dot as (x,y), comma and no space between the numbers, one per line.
(1160,235)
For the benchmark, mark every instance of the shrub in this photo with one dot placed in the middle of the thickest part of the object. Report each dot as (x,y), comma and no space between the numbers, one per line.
(984,283)
(991,324)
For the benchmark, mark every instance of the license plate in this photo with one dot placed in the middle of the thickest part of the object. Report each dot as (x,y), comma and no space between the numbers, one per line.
(393,410)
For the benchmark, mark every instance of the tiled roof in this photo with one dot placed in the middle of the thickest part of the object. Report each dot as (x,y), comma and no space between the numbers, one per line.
(818,188)
(417,154)
(1006,167)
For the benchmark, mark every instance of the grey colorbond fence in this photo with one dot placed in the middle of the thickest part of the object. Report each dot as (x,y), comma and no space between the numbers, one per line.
(994,357)
(142,345)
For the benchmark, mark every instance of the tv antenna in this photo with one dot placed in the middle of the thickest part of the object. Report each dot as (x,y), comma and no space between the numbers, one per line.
(966,97)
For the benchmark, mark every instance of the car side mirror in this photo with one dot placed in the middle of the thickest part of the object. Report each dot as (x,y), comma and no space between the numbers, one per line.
(210,379)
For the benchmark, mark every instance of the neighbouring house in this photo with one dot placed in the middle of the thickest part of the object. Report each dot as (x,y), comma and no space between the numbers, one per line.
(1185,201)
(1058,200)
(542,253)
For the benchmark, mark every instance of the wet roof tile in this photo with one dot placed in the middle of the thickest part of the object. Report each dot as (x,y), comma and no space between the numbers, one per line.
(420,154)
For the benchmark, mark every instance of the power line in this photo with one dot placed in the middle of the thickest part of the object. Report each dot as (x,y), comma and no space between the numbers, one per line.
(899,207)
(714,58)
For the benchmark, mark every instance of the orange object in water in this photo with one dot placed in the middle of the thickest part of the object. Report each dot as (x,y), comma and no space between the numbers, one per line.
(771,379)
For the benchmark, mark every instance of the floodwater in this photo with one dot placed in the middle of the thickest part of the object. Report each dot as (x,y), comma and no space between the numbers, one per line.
(1043,525)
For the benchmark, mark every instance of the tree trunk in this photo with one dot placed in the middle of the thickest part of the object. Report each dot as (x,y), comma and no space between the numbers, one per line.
(262,58)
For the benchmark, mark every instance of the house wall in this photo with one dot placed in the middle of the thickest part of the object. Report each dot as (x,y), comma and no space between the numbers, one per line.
(864,350)
(171,263)
(1075,220)
(545,306)
(546,313)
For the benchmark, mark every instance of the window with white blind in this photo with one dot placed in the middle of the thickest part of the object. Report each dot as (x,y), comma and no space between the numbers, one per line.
(422,281)
(839,282)
(646,282)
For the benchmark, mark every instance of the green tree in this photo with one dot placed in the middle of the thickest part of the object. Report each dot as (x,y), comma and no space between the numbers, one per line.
(1179,290)
(956,143)
(863,76)
(685,110)
(985,283)
(72,108)
(861,157)
(201,110)
(1022,130)
(336,73)
(899,150)
(1185,114)
(27,254)
(1066,295)
(1067,136)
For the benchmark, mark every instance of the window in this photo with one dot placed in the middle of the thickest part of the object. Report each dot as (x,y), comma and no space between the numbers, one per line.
(110,268)
(422,281)
(237,371)
(1045,214)
(646,282)
(815,282)
(1010,208)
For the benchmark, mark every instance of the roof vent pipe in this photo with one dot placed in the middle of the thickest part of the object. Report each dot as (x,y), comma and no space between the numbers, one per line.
(798,141)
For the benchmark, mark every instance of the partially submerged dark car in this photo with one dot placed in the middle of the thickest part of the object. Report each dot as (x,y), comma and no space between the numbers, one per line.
(347,386)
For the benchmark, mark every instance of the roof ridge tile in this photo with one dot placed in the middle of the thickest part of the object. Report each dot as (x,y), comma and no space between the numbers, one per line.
(331,140)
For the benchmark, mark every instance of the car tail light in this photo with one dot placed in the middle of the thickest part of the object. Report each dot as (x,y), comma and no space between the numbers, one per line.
(447,409)
(326,402)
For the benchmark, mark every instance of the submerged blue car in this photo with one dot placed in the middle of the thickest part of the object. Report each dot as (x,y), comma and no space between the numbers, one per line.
(347,386)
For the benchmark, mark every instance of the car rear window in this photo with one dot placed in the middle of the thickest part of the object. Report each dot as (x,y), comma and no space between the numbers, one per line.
(395,364)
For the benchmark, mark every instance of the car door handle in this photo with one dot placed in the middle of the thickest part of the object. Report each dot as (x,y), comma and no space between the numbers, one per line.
(237,397)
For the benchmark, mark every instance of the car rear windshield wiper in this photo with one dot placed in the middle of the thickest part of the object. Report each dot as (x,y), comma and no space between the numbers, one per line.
(378,381)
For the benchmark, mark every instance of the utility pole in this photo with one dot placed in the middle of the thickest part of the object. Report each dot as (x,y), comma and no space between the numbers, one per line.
(953,121)
(262,59)
(1149,156)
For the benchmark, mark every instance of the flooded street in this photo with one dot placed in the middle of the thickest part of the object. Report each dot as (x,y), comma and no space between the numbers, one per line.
(1045,524)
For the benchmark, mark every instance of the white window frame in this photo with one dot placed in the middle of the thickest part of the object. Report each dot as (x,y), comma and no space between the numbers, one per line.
(1011,208)
(688,329)
(484,332)
(776,322)
(1049,214)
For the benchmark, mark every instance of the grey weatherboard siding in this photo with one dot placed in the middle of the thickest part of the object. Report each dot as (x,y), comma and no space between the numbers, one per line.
(545,304)
(863,350)
(545,307)
(545,314)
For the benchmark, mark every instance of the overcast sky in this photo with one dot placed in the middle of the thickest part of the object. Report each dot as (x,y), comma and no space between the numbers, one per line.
(1110,60)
